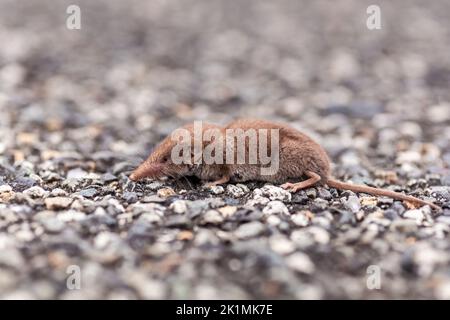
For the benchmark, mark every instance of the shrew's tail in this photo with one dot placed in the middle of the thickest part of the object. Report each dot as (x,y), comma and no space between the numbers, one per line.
(379,192)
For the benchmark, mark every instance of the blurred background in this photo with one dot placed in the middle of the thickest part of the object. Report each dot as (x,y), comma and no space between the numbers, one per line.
(149,66)
(99,98)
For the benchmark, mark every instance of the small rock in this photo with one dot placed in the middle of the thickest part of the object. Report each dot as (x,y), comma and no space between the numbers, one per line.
(273,220)
(319,234)
(71,215)
(212,217)
(130,197)
(178,206)
(369,201)
(5,188)
(155,185)
(300,219)
(391,214)
(35,192)
(352,203)
(249,230)
(444,219)
(324,194)
(149,217)
(23,183)
(108,177)
(153,208)
(275,207)
(11,257)
(227,211)
(243,187)
(52,225)
(58,203)
(300,197)
(281,245)
(185,235)
(415,214)
(235,191)
(273,193)
(300,262)
(311,193)
(441,192)
(57,192)
(88,193)
(166,192)
(347,218)
(77,174)
(217,189)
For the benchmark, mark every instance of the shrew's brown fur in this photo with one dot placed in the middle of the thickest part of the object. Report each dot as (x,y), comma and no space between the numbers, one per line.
(299,157)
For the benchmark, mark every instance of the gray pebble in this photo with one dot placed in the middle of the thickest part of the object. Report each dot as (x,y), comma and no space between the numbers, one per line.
(249,230)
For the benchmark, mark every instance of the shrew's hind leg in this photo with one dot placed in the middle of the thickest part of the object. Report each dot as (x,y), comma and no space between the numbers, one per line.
(294,187)
(224,179)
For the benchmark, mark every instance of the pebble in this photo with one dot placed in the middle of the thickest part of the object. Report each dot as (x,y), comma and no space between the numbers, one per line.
(281,245)
(273,193)
(53,225)
(212,217)
(320,235)
(5,188)
(416,215)
(88,193)
(235,191)
(57,192)
(249,230)
(36,192)
(227,211)
(311,193)
(108,177)
(178,206)
(352,203)
(275,207)
(77,174)
(300,219)
(217,189)
(273,220)
(130,197)
(56,203)
(300,262)
(324,194)
(71,215)
(166,192)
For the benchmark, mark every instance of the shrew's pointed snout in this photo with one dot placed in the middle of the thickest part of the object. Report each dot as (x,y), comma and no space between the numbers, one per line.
(147,170)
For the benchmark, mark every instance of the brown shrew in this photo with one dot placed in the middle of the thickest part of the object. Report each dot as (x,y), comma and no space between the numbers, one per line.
(299,156)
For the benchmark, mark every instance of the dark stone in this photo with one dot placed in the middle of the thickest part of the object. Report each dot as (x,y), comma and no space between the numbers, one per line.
(108,177)
(391,214)
(300,198)
(88,193)
(324,194)
(130,197)
(23,183)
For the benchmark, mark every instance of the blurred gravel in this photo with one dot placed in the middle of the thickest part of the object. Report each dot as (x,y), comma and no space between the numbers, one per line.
(79,109)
